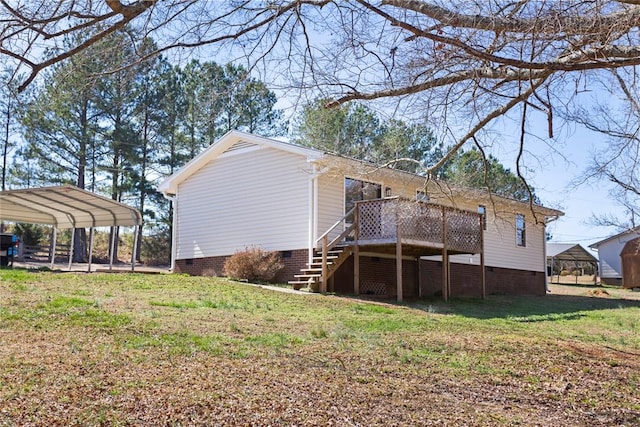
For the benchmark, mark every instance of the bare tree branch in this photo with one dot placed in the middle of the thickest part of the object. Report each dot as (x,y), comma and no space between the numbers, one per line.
(466,63)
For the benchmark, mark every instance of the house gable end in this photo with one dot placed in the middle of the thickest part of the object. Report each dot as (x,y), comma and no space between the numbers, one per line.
(230,143)
(625,235)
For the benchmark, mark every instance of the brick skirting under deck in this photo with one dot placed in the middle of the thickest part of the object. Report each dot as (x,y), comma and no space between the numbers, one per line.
(377,276)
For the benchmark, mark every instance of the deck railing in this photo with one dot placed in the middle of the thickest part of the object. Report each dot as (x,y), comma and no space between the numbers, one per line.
(388,219)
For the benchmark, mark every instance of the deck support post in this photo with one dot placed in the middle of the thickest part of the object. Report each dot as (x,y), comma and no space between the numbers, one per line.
(356,254)
(356,270)
(325,270)
(398,258)
(445,258)
(418,275)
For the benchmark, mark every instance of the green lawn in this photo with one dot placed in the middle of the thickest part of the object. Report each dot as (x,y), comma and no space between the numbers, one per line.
(133,349)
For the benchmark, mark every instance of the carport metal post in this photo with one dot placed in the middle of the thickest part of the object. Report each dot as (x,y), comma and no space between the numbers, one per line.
(135,247)
(54,239)
(90,249)
(113,247)
(73,242)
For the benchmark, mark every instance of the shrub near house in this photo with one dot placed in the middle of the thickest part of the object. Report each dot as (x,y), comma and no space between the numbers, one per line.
(253,265)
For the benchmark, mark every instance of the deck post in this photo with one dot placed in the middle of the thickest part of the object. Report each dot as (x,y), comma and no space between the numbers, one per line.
(398,258)
(445,258)
(325,271)
(418,276)
(356,254)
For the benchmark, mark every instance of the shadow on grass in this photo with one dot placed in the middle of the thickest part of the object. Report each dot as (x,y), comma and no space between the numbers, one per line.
(526,308)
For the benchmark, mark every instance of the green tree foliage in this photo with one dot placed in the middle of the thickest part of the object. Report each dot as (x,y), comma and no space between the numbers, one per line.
(471,169)
(60,123)
(60,129)
(120,132)
(29,234)
(349,130)
(218,99)
(8,116)
(354,130)
(409,147)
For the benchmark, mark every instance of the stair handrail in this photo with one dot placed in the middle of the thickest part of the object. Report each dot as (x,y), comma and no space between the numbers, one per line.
(334,226)
(326,246)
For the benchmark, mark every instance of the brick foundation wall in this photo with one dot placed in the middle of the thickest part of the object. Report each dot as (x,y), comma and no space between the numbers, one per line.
(504,281)
(378,276)
(466,281)
(293,261)
(210,266)
(299,259)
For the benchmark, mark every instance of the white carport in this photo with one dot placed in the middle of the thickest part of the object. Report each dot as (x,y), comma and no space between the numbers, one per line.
(69,207)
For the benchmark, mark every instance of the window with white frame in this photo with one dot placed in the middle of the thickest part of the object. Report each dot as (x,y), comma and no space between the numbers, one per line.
(521,235)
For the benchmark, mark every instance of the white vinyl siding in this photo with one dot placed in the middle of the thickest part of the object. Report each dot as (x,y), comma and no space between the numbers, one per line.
(609,256)
(500,243)
(246,198)
(330,203)
(608,271)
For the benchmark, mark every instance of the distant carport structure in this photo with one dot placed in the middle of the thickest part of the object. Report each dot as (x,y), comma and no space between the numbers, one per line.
(569,252)
(69,207)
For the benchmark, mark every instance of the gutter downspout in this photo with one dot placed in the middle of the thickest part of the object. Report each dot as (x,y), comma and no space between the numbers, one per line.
(312,210)
(173,198)
(174,232)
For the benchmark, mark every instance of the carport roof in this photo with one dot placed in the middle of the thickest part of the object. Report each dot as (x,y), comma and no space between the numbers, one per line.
(65,207)
(569,252)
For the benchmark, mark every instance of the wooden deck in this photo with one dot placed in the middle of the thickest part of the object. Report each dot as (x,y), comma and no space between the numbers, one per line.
(402,227)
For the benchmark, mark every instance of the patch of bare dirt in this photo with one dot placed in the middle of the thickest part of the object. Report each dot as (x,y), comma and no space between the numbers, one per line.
(594,291)
(599,293)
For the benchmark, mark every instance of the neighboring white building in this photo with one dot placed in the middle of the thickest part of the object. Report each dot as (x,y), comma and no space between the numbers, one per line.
(609,249)
(246,190)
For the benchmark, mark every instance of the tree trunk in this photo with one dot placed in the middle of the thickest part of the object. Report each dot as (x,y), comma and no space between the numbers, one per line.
(5,152)
(5,148)
(80,234)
